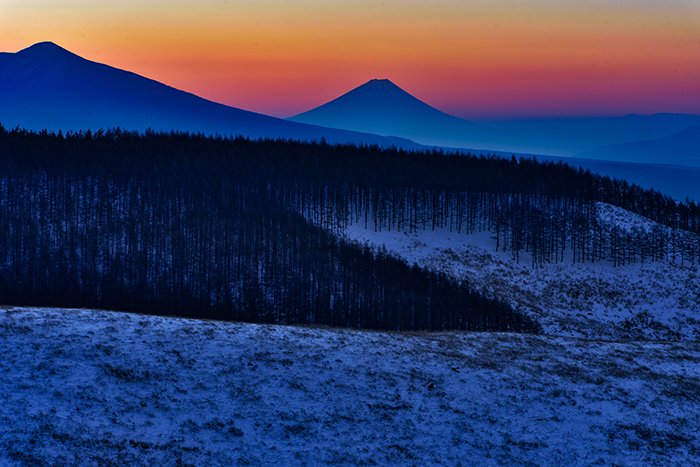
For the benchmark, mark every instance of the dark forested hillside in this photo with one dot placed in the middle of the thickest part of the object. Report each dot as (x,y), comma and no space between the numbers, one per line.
(196,227)
(239,229)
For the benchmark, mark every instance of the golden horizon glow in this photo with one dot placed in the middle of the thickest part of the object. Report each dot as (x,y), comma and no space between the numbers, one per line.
(472,59)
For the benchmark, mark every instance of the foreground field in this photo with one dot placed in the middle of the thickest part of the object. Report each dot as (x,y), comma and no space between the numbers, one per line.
(94,387)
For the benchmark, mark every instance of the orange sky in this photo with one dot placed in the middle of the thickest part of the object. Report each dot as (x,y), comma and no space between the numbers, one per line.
(470,58)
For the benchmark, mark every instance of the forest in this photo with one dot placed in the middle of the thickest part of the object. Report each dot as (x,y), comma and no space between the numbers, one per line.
(174,223)
(133,223)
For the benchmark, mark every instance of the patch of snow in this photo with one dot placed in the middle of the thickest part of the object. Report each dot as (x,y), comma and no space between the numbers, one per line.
(83,387)
(614,216)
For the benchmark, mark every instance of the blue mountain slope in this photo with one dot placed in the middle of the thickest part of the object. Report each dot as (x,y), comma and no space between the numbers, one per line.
(46,86)
(679,148)
(380,106)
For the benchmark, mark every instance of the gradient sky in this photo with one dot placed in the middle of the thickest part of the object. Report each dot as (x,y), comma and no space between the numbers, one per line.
(475,59)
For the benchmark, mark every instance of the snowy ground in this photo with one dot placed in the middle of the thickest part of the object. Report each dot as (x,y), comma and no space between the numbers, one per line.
(652,301)
(93,387)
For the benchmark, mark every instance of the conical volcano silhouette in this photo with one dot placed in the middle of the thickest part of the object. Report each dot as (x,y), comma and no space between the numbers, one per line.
(380,106)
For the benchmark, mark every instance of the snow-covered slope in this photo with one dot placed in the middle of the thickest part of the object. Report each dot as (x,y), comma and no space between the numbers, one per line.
(614,216)
(658,300)
(102,388)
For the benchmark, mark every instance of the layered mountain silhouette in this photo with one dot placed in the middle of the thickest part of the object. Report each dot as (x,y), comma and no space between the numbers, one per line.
(379,106)
(576,135)
(48,87)
(682,148)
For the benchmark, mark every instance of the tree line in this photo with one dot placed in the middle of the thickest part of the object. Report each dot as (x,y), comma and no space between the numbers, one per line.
(169,224)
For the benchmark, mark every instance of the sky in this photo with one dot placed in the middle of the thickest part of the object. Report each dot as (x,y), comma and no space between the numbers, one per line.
(475,59)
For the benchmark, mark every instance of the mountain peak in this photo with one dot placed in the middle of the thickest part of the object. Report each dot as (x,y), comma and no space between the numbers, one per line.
(380,81)
(46,48)
(379,84)
(378,96)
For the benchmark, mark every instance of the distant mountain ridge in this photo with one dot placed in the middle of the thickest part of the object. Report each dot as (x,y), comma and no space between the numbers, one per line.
(682,148)
(576,135)
(48,87)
